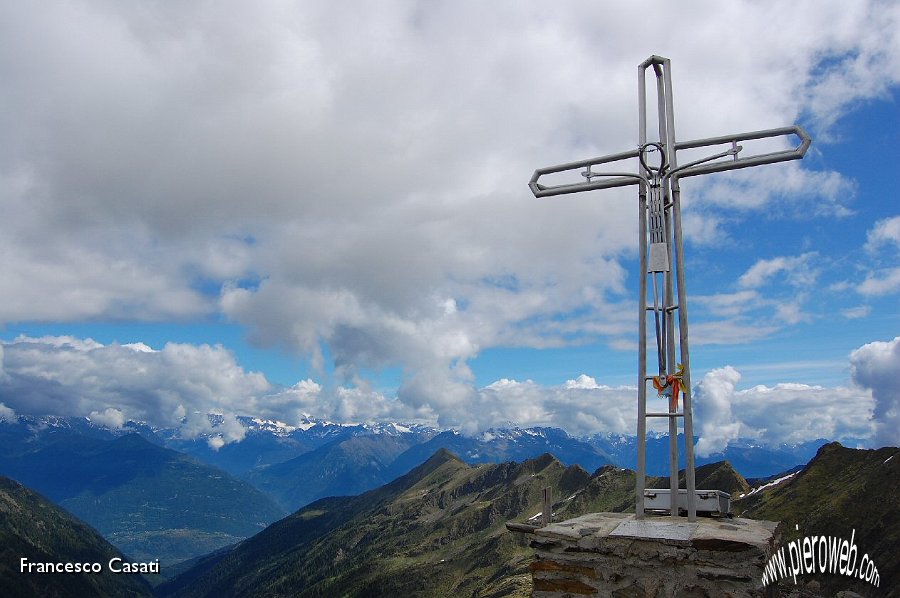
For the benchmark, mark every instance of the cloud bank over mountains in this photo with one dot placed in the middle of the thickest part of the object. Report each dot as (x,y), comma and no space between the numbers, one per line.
(348,183)
(178,385)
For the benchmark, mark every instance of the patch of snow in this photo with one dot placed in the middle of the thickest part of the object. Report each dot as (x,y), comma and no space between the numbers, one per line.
(538,516)
(770,484)
(274,426)
(889,458)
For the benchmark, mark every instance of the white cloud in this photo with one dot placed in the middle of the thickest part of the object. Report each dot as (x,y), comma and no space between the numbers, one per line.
(730,332)
(875,366)
(729,304)
(798,271)
(114,383)
(880,283)
(6,414)
(792,312)
(712,404)
(180,385)
(783,190)
(793,413)
(885,232)
(582,381)
(110,417)
(228,430)
(883,242)
(327,184)
(579,406)
(783,413)
(854,313)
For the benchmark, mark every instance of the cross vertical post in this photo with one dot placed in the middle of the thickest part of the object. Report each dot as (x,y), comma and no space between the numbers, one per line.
(661,250)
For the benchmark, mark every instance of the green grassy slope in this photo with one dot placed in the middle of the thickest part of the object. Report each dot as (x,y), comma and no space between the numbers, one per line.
(36,529)
(839,491)
(438,531)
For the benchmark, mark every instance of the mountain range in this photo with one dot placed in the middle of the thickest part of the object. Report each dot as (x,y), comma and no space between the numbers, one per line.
(153,492)
(439,529)
(436,531)
(337,459)
(150,501)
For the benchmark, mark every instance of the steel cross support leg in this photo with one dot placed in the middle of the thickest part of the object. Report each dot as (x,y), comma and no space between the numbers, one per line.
(641,478)
(664,216)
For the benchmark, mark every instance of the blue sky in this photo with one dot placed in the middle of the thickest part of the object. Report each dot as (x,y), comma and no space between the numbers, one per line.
(289,210)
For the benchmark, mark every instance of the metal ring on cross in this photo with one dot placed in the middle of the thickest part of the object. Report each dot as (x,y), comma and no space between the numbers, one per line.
(653,146)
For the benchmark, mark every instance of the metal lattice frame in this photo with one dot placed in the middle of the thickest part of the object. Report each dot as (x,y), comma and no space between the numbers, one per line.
(659,212)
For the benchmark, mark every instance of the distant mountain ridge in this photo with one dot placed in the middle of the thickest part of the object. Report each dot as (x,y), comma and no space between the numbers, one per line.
(297,464)
(438,531)
(268,442)
(150,501)
(422,534)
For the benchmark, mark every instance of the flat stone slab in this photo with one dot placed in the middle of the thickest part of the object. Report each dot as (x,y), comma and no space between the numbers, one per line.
(600,524)
(655,530)
(707,532)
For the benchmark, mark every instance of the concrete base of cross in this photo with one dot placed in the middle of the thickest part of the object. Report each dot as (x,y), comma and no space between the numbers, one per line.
(614,554)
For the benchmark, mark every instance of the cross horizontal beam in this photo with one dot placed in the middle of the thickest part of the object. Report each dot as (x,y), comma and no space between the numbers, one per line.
(621,179)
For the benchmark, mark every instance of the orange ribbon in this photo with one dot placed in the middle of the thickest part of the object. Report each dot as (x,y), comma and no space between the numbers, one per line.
(672,382)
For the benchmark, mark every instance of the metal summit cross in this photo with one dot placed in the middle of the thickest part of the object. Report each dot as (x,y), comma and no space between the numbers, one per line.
(659,210)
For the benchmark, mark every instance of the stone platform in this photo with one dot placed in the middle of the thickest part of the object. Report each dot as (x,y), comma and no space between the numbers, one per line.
(617,555)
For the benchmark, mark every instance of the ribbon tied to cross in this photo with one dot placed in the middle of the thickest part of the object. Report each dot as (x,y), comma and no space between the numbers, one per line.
(670,386)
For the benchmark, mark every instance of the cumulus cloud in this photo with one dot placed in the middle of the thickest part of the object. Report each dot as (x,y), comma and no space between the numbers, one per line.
(227,430)
(783,413)
(177,385)
(181,385)
(875,366)
(6,414)
(783,190)
(713,409)
(110,417)
(334,188)
(580,406)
